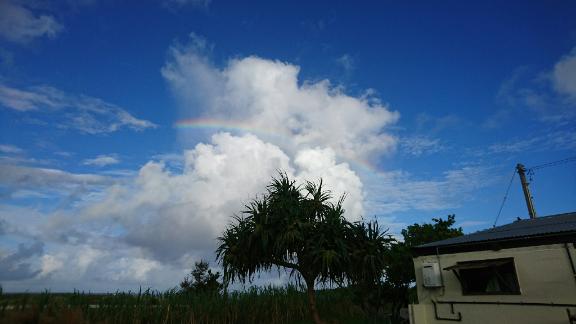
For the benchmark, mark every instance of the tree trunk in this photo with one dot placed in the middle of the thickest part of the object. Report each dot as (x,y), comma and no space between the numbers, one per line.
(312,302)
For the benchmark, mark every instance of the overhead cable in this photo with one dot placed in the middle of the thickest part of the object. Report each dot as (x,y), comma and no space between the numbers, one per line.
(505,197)
(554,163)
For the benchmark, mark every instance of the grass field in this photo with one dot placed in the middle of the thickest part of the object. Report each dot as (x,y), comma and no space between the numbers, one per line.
(256,305)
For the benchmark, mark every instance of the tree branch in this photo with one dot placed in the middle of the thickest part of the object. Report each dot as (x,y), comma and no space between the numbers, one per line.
(286,264)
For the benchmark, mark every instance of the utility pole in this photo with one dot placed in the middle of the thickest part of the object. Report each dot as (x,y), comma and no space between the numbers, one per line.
(529,203)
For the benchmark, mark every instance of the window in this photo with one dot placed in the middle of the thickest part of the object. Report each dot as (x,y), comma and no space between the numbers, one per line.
(487,277)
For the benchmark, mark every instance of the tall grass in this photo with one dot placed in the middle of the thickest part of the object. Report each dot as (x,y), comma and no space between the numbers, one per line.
(255,305)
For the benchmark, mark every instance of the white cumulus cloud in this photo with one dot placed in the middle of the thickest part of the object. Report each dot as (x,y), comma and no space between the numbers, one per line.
(171,214)
(267,95)
(160,221)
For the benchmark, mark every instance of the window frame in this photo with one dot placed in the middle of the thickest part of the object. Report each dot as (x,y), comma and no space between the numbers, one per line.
(486,264)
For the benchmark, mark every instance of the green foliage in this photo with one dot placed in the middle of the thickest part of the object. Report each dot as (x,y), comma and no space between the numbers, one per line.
(255,305)
(401,269)
(204,281)
(289,227)
(369,246)
(301,230)
(400,277)
(441,229)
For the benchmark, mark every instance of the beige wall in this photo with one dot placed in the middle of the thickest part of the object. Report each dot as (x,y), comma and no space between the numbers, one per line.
(544,276)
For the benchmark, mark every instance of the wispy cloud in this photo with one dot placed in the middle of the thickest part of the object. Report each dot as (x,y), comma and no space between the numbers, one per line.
(397,191)
(346,62)
(564,75)
(21,159)
(64,154)
(421,145)
(13,178)
(175,4)
(21,25)
(316,27)
(102,160)
(33,99)
(78,112)
(549,96)
(555,140)
(10,149)
(430,124)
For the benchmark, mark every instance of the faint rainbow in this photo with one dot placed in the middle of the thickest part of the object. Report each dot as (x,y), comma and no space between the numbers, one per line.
(243,127)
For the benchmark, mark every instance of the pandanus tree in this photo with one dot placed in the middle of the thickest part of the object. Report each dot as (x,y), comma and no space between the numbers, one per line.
(300,229)
(368,263)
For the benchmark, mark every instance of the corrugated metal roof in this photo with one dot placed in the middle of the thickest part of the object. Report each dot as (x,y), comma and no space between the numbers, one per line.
(524,228)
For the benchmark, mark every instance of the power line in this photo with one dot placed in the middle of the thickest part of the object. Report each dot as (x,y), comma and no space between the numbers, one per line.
(554,163)
(505,197)
(531,174)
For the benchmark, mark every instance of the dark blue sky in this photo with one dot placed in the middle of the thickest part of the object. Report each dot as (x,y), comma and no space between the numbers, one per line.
(441,99)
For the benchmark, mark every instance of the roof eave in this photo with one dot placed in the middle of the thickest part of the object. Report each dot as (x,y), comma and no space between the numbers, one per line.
(497,244)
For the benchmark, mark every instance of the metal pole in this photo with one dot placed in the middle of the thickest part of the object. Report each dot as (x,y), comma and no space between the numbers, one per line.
(529,202)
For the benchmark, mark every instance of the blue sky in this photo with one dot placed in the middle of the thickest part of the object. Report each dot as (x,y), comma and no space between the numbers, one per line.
(130,134)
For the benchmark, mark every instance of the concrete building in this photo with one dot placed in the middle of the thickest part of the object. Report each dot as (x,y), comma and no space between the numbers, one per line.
(523,272)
